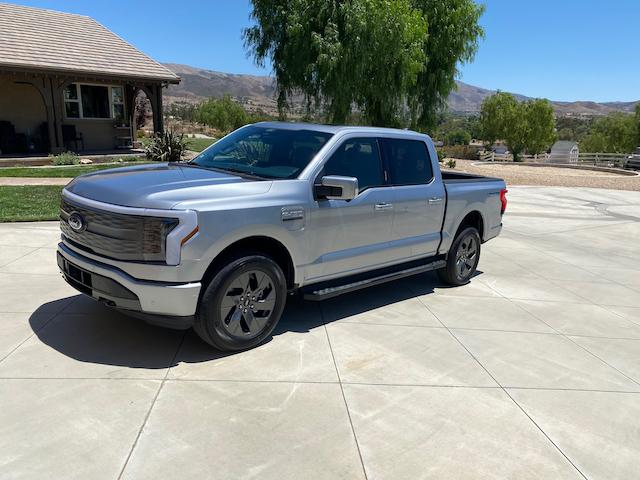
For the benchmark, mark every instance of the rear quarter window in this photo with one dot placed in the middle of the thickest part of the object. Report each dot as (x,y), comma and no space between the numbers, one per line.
(407,161)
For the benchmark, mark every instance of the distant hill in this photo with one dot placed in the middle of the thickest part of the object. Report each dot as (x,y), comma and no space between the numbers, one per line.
(258,92)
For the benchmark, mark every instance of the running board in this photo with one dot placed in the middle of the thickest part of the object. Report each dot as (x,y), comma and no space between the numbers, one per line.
(330,292)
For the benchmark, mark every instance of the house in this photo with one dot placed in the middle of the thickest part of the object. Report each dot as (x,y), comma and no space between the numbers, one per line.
(564,151)
(68,83)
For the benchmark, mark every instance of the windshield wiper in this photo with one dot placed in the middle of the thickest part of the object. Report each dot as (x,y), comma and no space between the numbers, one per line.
(241,172)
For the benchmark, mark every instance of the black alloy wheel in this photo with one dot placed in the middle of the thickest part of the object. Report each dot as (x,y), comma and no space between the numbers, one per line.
(463,258)
(242,303)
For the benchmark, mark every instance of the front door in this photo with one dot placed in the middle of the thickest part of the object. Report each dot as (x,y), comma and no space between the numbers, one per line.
(355,235)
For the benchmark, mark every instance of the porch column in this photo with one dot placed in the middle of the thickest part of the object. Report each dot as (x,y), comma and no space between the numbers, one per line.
(130,104)
(43,84)
(58,114)
(158,121)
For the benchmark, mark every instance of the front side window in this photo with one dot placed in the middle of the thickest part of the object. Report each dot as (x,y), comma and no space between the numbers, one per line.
(264,152)
(359,158)
(407,161)
(94,101)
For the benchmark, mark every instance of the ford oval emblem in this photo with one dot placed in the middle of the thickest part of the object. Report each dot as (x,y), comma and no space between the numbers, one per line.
(76,222)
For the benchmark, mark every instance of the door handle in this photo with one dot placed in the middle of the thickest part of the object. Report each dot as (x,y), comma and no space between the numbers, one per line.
(383,206)
(435,200)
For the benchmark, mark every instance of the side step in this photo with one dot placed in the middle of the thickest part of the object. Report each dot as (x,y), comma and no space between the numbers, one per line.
(334,291)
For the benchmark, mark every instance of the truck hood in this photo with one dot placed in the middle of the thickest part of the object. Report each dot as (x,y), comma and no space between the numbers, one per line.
(162,186)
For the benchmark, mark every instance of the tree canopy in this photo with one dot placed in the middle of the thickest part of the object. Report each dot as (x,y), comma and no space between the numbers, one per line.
(615,133)
(379,55)
(454,31)
(541,126)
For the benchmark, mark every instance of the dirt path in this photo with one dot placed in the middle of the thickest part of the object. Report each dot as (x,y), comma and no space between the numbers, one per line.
(550,176)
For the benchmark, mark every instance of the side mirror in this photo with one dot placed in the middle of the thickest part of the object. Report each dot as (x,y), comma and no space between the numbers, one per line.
(335,187)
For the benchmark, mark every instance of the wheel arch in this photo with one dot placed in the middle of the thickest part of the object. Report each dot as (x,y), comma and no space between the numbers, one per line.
(473,219)
(260,244)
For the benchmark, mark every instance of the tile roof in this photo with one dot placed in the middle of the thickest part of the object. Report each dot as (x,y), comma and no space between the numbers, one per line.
(33,38)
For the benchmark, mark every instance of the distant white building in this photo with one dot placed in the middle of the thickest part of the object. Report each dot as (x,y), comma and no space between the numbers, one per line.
(564,151)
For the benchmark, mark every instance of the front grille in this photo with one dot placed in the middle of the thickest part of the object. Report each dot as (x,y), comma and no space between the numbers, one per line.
(115,235)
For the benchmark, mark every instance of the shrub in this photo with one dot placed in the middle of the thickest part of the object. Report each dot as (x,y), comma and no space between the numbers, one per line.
(441,155)
(166,147)
(224,114)
(451,163)
(464,152)
(458,137)
(141,133)
(66,158)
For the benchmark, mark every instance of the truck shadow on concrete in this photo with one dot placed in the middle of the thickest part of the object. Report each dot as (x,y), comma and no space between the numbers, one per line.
(86,331)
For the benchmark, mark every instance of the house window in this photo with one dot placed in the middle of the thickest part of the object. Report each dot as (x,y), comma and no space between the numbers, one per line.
(71,101)
(117,103)
(94,101)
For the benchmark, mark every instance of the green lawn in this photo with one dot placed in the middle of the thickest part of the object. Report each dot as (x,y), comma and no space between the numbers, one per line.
(60,172)
(30,203)
(198,144)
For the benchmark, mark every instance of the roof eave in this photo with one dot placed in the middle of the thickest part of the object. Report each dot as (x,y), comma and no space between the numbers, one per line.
(31,69)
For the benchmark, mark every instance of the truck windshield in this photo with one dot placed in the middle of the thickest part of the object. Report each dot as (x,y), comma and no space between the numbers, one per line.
(264,152)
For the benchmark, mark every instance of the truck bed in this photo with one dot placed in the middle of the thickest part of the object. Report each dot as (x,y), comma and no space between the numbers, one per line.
(459,177)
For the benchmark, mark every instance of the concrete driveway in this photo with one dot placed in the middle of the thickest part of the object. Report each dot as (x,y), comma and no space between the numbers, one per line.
(531,371)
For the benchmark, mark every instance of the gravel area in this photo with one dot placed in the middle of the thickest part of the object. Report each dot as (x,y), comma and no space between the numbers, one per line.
(550,176)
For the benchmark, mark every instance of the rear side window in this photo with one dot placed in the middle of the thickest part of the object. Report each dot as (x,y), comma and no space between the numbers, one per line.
(360,158)
(407,161)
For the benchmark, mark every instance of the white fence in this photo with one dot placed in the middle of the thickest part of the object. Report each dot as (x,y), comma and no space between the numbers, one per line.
(596,159)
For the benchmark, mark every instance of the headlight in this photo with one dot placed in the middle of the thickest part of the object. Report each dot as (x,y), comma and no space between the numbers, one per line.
(186,229)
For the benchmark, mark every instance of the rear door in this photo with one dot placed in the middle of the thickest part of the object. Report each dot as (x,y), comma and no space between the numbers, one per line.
(419,196)
(355,235)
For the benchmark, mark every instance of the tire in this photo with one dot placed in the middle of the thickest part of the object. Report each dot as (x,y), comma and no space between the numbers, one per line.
(229,319)
(462,259)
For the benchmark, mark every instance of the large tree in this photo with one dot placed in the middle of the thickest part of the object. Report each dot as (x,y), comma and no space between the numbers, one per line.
(379,55)
(495,116)
(524,126)
(338,53)
(454,31)
(615,133)
(541,125)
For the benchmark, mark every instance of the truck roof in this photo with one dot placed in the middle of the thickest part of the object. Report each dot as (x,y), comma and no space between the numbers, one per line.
(333,128)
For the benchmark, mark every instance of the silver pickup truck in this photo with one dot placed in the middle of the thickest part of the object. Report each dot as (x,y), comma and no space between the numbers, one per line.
(219,242)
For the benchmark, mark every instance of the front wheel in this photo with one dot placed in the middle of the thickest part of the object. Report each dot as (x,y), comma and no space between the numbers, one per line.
(242,304)
(463,258)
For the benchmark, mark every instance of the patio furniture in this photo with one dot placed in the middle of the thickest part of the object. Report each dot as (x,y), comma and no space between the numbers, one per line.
(71,135)
(7,137)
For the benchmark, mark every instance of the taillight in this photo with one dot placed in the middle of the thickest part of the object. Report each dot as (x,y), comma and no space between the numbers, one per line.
(503,200)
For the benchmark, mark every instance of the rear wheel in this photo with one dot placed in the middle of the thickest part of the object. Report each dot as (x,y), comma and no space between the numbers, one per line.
(242,304)
(463,258)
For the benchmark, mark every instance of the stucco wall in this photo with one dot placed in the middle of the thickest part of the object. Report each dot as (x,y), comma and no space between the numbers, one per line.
(22,105)
(98,134)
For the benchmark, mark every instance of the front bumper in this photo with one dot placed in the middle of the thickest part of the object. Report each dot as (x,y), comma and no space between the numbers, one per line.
(163,303)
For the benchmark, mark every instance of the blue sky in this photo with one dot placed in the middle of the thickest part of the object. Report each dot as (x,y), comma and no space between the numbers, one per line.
(558,49)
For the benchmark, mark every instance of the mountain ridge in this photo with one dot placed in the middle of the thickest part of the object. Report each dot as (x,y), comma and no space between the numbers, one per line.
(258,92)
